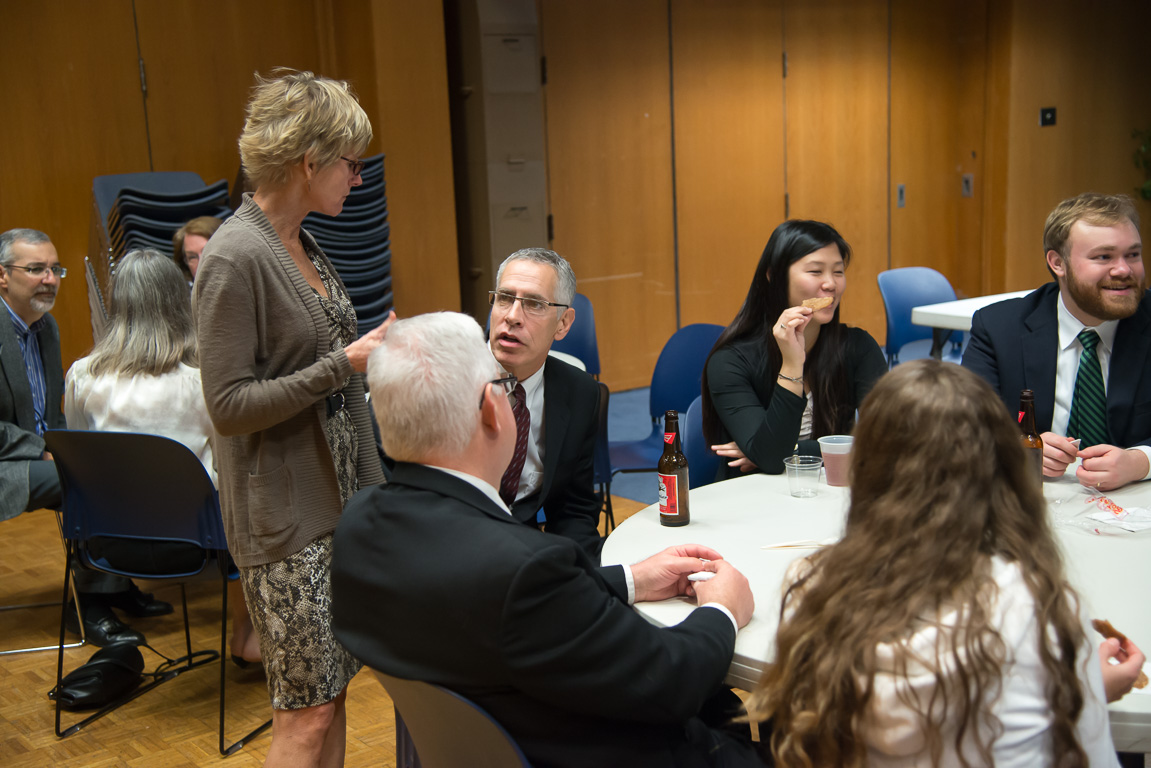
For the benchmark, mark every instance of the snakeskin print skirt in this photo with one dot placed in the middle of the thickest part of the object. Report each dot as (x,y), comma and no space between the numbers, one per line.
(290,602)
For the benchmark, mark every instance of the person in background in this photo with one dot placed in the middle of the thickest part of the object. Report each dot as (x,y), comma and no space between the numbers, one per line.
(782,374)
(522,622)
(1080,343)
(189,241)
(31,385)
(531,308)
(281,367)
(144,376)
(940,630)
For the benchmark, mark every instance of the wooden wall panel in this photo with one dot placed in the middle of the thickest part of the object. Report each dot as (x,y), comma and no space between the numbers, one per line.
(74,111)
(938,58)
(609,154)
(201,59)
(1092,67)
(413,129)
(837,139)
(728,92)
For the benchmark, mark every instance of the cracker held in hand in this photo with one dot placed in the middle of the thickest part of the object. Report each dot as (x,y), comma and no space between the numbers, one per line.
(817,304)
(1103,627)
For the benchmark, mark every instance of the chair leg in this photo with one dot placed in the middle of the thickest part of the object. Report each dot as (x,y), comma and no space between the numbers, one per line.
(406,755)
(179,666)
(608,512)
(76,602)
(229,750)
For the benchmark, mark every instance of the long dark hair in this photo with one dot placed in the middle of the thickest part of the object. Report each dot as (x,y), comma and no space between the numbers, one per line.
(766,299)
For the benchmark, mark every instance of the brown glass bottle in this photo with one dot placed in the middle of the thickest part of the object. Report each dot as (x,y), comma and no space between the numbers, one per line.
(674,509)
(1032,442)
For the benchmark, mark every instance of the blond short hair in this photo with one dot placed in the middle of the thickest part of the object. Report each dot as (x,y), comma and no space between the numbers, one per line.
(297,113)
(1091,207)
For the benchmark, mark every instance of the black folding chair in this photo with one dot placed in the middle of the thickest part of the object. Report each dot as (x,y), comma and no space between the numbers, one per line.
(125,493)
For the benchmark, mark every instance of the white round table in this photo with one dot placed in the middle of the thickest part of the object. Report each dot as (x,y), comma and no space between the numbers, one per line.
(739,517)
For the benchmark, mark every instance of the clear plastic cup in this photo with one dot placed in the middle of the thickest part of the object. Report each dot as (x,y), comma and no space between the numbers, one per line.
(803,475)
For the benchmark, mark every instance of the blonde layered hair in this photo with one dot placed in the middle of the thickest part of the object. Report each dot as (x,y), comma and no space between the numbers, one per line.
(150,329)
(939,486)
(298,113)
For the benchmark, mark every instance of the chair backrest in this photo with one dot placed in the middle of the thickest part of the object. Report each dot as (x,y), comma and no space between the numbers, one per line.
(902,290)
(678,373)
(601,463)
(133,486)
(448,730)
(702,463)
(105,188)
(581,339)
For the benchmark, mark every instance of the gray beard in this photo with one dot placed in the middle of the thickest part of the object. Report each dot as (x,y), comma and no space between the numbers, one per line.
(42,305)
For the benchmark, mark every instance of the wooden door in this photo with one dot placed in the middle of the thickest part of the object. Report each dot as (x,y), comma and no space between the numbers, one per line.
(727,71)
(608,116)
(74,110)
(837,135)
(938,65)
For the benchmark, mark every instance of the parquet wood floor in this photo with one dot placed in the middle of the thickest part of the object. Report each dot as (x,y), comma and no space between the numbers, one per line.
(173,726)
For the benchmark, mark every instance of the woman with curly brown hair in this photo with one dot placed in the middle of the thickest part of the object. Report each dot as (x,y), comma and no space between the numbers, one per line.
(941,629)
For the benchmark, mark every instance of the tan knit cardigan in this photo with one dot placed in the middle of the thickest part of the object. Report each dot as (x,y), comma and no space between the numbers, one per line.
(266,370)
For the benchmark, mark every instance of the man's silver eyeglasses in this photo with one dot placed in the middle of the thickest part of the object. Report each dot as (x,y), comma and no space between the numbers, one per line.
(355,166)
(508,383)
(38,270)
(531,306)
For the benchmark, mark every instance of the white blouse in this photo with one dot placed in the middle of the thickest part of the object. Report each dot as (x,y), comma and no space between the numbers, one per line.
(893,730)
(171,405)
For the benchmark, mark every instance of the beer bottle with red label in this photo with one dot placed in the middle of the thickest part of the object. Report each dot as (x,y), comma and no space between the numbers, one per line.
(672,467)
(1032,442)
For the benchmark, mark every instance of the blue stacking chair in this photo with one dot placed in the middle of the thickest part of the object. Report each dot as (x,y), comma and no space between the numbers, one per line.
(601,463)
(581,341)
(447,730)
(903,289)
(702,463)
(675,382)
(147,489)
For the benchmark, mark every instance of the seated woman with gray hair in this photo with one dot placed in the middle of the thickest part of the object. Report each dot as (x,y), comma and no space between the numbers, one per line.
(144,376)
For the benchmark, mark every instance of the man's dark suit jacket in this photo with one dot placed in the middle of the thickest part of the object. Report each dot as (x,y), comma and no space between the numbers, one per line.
(19,443)
(571,418)
(432,581)
(1014,345)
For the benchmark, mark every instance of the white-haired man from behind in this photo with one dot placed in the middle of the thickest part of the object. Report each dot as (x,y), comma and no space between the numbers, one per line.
(433,579)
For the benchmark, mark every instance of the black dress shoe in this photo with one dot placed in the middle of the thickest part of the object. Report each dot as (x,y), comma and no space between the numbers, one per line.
(137,603)
(101,627)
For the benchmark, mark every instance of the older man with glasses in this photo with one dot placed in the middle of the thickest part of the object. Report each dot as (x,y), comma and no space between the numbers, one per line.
(31,387)
(555,404)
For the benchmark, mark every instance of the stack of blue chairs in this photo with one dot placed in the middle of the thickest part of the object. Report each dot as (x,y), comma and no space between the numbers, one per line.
(144,210)
(358,243)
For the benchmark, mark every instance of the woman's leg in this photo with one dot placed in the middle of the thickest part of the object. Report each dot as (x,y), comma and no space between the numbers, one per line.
(336,742)
(244,643)
(300,736)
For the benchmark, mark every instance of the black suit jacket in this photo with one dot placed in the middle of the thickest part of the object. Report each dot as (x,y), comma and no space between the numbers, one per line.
(571,418)
(19,443)
(1014,345)
(433,581)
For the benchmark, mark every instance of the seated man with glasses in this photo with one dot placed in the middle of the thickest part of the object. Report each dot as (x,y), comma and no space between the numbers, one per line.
(31,388)
(556,404)
(432,579)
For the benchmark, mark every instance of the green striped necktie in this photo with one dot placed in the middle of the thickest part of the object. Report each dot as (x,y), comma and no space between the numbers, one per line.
(1089,407)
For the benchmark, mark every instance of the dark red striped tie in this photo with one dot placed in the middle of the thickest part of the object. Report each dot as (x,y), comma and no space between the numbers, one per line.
(511,481)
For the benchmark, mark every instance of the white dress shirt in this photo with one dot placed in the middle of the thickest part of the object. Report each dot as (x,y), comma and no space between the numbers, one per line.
(1067,366)
(171,405)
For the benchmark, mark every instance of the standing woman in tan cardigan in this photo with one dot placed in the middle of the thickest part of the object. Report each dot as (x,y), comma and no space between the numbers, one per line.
(281,369)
